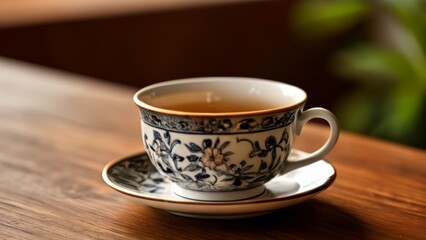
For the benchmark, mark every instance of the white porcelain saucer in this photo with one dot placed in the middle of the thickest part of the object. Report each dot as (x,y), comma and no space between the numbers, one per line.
(135,176)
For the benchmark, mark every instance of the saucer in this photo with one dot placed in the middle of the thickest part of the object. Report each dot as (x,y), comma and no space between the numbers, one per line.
(135,176)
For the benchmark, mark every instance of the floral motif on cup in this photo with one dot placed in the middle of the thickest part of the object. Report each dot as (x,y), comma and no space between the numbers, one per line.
(217,125)
(207,165)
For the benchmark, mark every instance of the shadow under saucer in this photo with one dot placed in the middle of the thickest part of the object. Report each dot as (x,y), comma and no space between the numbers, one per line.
(313,219)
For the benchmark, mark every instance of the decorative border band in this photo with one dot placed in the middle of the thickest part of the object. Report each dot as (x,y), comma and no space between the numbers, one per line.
(217,125)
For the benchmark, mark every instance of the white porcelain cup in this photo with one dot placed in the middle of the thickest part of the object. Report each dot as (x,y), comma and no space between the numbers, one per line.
(223,138)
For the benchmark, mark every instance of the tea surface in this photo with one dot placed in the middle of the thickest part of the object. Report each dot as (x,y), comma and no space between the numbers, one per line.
(211,102)
(215,107)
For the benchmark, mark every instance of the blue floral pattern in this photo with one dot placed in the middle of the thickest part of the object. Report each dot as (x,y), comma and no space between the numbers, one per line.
(208,165)
(139,174)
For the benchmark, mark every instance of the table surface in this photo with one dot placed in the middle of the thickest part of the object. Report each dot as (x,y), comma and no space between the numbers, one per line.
(58,130)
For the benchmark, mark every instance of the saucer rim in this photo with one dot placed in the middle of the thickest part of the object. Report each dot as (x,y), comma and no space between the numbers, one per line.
(330,180)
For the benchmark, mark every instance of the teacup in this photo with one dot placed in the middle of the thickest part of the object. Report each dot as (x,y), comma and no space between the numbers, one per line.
(223,138)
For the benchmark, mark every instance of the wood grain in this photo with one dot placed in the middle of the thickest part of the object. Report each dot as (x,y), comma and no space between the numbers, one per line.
(58,130)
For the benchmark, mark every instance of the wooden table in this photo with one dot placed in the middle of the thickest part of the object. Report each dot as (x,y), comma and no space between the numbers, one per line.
(58,130)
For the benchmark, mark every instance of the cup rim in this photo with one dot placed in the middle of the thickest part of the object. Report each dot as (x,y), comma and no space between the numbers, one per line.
(149,107)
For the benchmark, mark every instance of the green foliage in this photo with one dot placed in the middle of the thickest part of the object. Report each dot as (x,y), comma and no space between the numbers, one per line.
(389,68)
(325,17)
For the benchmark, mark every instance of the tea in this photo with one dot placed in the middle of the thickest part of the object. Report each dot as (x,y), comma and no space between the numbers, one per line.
(216,107)
(211,102)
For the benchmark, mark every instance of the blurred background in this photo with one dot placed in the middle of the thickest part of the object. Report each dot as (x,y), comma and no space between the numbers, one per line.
(364,60)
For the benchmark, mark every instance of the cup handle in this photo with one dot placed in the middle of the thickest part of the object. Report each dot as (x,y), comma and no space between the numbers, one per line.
(303,118)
